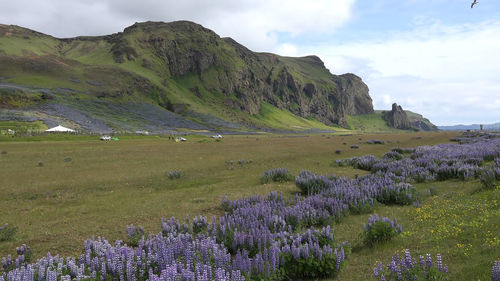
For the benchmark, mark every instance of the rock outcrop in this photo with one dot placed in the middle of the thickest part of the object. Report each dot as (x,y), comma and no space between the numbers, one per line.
(356,97)
(419,122)
(397,118)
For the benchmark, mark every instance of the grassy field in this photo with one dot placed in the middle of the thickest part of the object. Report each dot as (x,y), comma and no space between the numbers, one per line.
(58,193)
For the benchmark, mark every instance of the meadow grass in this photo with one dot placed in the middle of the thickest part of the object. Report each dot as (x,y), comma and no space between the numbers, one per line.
(106,186)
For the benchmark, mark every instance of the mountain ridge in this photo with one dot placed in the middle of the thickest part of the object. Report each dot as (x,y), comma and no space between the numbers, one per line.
(180,67)
(462,127)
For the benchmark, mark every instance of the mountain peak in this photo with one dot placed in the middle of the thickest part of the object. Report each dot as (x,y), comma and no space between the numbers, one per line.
(178,26)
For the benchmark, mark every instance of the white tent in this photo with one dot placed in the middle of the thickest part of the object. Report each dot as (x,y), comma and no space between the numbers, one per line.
(59,129)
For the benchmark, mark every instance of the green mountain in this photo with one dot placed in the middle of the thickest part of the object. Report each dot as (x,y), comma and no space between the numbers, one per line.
(168,76)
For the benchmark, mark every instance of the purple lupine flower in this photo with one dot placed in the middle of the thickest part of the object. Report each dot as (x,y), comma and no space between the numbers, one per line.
(428,261)
(495,271)
(439,262)
(408,261)
(404,267)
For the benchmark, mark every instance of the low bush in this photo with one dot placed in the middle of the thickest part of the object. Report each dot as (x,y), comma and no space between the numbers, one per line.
(402,150)
(489,177)
(393,155)
(276,175)
(174,174)
(400,194)
(363,208)
(309,182)
(375,142)
(314,262)
(135,234)
(433,191)
(380,230)
(7,232)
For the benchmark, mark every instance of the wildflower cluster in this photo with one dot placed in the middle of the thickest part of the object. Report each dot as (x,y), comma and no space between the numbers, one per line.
(474,137)
(258,238)
(276,175)
(380,229)
(358,192)
(174,174)
(24,255)
(406,268)
(135,234)
(438,162)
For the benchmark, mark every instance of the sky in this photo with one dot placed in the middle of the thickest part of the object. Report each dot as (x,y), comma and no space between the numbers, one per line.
(439,58)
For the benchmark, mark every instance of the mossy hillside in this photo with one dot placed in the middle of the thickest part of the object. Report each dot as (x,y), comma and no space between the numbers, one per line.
(368,123)
(17,98)
(285,120)
(308,69)
(23,42)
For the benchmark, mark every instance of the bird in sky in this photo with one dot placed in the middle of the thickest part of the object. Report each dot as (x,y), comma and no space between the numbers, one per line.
(473,3)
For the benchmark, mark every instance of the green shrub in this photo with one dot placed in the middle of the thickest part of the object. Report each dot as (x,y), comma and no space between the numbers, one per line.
(489,178)
(7,232)
(403,194)
(174,174)
(276,175)
(299,267)
(380,230)
(135,234)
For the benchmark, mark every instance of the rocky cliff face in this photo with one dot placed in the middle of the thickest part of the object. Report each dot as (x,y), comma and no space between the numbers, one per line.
(356,99)
(397,118)
(247,79)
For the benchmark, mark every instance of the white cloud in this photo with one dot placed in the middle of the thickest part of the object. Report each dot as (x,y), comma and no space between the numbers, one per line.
(432,70)
(254,23)
(286,50)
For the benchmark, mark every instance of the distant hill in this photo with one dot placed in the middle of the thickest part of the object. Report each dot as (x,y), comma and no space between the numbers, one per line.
(163,77)
(494,126)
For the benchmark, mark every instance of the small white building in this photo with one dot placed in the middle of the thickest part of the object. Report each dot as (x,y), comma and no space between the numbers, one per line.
(218,136)
(60,129)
